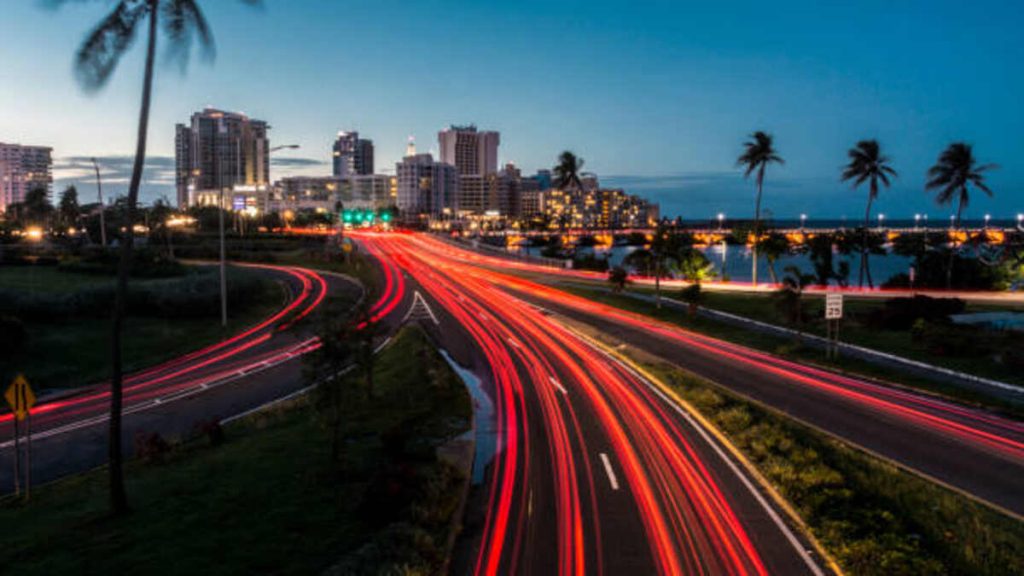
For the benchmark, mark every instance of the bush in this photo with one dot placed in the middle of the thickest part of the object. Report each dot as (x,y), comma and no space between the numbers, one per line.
(212,430)
(147,262)
(13,336)
(902,313)
(151,447)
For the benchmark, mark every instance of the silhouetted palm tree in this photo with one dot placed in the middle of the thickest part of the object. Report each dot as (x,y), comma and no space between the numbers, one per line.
(953,173)
(757,155)
(567,172)
(181,22)
(867,164)
(951,177)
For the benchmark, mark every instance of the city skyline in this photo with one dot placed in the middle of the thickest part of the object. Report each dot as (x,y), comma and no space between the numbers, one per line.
(686,94)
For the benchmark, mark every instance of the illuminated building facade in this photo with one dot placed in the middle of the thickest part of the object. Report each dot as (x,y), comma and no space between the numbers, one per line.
(23,169)
(353,156)
(218,151)
(472,152)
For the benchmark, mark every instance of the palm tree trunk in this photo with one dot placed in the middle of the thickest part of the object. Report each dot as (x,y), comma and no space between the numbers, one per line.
(771,271)
(118,498)
(757,225)
(864,246)
(952,243)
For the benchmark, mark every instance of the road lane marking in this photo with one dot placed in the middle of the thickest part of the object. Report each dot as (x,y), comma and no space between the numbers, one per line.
(513,342)
(611,473)
(556,384)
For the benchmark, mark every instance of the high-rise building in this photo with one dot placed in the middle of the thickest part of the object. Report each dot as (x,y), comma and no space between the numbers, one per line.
(471,152)
(352,155)
(425,187)
(23,169)
(218,151)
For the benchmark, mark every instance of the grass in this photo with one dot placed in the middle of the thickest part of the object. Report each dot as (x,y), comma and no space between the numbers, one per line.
(791,349)
(872,517)
(268,500)
(72,352)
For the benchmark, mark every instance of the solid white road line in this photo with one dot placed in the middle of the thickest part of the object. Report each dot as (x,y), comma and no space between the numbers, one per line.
(611,473)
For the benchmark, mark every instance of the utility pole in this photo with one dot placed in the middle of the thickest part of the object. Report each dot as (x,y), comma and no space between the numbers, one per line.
(103,208)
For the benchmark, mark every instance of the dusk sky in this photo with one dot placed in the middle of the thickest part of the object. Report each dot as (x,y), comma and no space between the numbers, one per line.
(656,96)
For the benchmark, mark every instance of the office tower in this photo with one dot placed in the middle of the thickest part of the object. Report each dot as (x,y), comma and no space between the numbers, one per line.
(425,187)
(218,151)
(352,155)
(471,152)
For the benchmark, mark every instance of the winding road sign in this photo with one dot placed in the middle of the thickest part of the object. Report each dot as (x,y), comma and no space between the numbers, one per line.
(20,396)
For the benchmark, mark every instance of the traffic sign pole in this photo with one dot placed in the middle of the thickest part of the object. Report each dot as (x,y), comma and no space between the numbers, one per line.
(17,460)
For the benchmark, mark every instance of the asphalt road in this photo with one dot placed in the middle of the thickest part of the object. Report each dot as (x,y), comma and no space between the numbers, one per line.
(595,472)
(975,452)
(260,364)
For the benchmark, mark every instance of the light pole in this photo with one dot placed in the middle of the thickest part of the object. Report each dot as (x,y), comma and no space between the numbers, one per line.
(925,217)
(881,221)
(803,222)
(223,250)
(1020,222)
(103,209)
(987,218)
(952,221)
(917,221)
(721,218)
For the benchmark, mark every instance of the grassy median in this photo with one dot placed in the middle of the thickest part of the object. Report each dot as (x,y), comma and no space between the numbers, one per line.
(269,500)
(63,319)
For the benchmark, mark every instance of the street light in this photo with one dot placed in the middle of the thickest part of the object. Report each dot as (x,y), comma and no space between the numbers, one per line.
(1020,222)
(987,218)
(99,192)
(952,221)
(803,221)
(721,217)
(223,250)
(881,220)
(917,221)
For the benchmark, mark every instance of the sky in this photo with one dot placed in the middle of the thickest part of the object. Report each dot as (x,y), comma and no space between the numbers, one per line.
(656,96)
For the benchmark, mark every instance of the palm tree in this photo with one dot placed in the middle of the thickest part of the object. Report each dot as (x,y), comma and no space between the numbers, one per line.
(567,172)
(181,22)
(951,177)
(757,155)
(867,164)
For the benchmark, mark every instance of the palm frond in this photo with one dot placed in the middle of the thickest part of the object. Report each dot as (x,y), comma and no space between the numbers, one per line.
(99,54)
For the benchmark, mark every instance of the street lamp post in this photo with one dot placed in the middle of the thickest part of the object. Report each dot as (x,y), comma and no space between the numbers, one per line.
(917,221)
(803,221)
(223,250)
(103,209)
(1020,222)
(881,220)
(721,218)
(987,218)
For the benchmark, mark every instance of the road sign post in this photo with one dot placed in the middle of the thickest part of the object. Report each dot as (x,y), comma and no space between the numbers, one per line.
(20,397)
(833,316)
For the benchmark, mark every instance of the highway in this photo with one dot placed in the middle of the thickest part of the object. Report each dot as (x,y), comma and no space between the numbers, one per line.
(596,471)
(970,450)
(231,376)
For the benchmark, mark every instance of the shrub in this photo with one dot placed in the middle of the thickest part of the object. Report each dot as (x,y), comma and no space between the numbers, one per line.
(151,446)
(13,336)
(212,430)
(902,313)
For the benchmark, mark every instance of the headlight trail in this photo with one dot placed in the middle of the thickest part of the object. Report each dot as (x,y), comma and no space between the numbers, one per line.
(542,372)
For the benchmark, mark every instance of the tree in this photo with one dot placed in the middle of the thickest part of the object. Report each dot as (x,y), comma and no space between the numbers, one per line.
(69,210)
(182,22)
(159,214)
(773,246)
(665,249)
(758,153)
(324,366)
(693,265)
(790,297)
(567,172)
(951,178)
(867,164)
(36,208)
(618,277)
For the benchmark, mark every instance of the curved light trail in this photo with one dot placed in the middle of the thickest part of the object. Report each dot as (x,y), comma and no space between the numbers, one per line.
(560,404)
